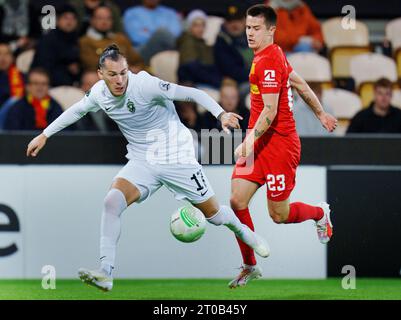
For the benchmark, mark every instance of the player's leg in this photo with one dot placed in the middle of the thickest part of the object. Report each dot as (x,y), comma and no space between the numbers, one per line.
(134,183)
(223,215)
(281,164)
(188,182)
(297,212)
(121,194)
(242,192)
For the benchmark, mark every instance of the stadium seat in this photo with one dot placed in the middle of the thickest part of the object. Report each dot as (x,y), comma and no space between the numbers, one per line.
(345,104)
(165,65)
(397,57)
(344,44)
(213,25)
(371,67)
(311,66)
(24,60)
(215,94)
(365,69)
(66,96)
(396,100)
(248,101)
(393,28)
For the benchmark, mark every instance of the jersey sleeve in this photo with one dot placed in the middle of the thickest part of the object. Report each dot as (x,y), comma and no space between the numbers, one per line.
(155,89)
(72,114)
(270,76)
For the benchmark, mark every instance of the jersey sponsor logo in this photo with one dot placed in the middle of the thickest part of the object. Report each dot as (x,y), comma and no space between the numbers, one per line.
(254,89)
(165,86)
(130,106)
(270,79)
(270,75)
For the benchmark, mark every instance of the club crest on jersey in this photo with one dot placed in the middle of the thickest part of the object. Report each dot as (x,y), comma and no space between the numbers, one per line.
(270,75)
(130,106)
(164,85)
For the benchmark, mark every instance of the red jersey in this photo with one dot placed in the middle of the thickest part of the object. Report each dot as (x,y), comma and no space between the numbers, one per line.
(269,74)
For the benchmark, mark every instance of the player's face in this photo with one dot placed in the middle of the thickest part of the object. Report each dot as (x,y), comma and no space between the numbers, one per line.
(115,75)
(258,34)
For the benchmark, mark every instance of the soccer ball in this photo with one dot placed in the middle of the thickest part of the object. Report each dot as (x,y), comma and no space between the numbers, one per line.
(187,224)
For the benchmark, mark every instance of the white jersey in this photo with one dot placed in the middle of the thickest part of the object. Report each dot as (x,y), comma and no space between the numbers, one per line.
(145,115)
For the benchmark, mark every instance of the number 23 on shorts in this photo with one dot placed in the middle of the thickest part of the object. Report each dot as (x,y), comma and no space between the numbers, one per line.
(275,183)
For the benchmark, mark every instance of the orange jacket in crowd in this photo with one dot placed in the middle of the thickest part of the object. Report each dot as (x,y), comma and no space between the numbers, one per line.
(292,25)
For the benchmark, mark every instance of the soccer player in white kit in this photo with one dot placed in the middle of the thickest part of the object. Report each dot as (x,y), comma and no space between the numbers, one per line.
(160,152)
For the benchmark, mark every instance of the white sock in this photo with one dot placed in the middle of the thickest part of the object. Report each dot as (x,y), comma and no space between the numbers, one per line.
(114,205)
(226,216)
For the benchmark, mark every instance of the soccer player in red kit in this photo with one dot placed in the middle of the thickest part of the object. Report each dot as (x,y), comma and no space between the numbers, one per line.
(272,141)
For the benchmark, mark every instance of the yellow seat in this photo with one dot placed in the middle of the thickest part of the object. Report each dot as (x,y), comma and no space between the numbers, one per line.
(164,65)
(397,57)
(396,99)
(343,43)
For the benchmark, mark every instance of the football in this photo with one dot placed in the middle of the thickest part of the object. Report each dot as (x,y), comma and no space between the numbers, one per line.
(187,224)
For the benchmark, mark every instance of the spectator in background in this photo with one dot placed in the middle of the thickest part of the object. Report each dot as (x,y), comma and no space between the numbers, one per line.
(380,116)
(86,8)
(11,82)
(305,119)
(95,120)
(16,23)
(231,52)
(11,79)
(99,36)
(36,109)
(298,30)
(58,50)
(152,28)
(196,57)
(230,102)
(188,114)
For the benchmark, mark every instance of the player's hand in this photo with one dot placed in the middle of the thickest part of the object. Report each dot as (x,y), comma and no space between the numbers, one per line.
(244,149)
(229,120)
(36,145)
(328,121)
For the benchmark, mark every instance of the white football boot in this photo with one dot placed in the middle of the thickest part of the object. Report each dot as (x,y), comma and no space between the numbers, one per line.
(96,278)
(259,245)
(324,226)
(247,273)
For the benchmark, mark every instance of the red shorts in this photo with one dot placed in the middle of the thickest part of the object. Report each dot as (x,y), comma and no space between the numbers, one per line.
(275,162)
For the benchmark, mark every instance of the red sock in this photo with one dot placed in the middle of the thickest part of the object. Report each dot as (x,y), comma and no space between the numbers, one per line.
(300,212)
(247,253)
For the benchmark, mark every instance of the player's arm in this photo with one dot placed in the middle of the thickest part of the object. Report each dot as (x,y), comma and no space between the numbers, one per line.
(228,119)
(68,117)
(327,120)
(266,118)
(158,90)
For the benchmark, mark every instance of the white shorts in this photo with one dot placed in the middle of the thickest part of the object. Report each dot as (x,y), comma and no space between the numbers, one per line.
(186,181)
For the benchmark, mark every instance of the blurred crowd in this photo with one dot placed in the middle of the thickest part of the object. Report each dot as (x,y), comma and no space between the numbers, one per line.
(68,56)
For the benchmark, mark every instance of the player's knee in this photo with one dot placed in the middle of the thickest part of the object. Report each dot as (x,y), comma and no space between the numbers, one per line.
(237,202)
(114,202)
(277,217)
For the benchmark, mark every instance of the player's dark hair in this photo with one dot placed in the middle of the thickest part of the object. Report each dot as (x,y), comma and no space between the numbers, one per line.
(112,52)
(262,10)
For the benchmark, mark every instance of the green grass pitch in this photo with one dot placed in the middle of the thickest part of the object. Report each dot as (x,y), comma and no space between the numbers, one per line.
(205,289)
